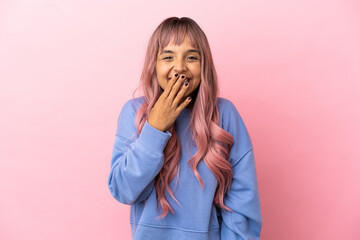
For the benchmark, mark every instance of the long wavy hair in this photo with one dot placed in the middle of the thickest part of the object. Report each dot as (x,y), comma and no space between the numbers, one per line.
(213,143)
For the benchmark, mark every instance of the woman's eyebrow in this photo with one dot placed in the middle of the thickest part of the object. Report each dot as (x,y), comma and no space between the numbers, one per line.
(169,51)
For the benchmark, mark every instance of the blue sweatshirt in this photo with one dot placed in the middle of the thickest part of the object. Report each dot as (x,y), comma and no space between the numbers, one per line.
(137,159)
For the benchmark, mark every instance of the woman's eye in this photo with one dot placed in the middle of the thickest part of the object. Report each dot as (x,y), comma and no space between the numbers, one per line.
(191,58)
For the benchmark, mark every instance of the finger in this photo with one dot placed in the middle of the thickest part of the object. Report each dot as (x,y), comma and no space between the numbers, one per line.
(180,93)
(184,104)
(176,87)
(170,84)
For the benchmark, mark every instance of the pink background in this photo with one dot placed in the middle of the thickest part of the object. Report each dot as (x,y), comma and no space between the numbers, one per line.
(292,68)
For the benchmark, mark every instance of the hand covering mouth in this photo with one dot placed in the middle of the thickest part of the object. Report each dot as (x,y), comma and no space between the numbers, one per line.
(186,79)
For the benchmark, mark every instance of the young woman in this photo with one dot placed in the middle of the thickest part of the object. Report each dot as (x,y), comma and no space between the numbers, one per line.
(182,157)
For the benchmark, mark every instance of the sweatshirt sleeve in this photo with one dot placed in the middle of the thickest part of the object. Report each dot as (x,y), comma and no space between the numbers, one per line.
(243,198)
(135,162)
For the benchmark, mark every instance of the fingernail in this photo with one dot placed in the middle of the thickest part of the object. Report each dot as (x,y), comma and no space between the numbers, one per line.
(176,74)
(182,76)
(189,98)
(186,83)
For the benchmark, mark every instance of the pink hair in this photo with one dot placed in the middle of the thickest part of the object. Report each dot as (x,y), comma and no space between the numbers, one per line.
(213,143)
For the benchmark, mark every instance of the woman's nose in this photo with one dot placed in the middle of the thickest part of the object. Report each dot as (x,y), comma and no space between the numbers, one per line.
(179,66)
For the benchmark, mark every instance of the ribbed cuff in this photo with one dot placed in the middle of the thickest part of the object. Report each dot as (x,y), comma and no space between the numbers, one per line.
(153,139)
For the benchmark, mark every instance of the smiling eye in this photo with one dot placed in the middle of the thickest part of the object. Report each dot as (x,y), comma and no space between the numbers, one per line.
(191,58)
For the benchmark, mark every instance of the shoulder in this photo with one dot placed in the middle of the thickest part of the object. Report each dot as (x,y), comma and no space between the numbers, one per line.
(126,119)
(228,112)
(225,105)
(132,105)
(232,122)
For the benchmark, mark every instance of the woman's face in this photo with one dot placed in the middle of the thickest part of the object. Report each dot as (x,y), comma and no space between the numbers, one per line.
(181,59)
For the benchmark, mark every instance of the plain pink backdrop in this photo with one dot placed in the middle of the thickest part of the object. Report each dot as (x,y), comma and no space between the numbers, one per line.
(67,67)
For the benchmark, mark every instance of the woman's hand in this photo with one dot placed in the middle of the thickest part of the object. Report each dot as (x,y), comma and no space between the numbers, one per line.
(167,108)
